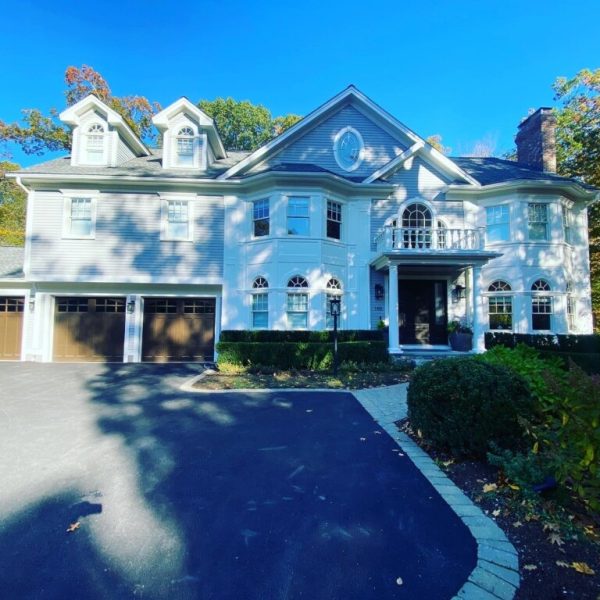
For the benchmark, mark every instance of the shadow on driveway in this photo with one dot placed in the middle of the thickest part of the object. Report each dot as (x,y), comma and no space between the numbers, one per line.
(180,495)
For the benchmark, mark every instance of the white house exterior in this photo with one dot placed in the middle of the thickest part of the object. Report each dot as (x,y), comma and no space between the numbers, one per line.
(136,254)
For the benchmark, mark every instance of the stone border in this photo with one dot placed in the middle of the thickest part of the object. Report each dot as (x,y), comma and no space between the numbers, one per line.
(496,575)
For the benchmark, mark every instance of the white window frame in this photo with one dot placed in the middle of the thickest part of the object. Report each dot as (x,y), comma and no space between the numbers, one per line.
(294,290)
(164,220)
(333,289)
(288,216)
(67,232)
(260,288)
(336,149)
(546,222)
(500,295)
(192,139)
(86,147)
(542,297)
(567,223)
(339,204)
(253,204)
(498,210)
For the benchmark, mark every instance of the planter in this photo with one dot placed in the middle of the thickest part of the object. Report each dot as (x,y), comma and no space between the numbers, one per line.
(461,342)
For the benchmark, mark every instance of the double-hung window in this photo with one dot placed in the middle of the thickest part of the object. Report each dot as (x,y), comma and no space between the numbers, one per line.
(537,213)
(500,305)
(297,303)
(566,223)
(177,220)
(334,220)
(185,147)
(497,223)
(298,219)
(95,145)
(260,217)
(260,303)
(541,306)
(79,221)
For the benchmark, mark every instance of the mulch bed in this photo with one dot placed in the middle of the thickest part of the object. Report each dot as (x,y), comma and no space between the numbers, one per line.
(547,546)
(300,379)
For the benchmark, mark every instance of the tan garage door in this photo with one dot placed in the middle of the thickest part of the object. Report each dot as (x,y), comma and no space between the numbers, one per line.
(11,327)
(178,329)
(89,329)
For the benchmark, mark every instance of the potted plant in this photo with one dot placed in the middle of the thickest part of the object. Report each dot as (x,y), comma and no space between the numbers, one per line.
(460,336)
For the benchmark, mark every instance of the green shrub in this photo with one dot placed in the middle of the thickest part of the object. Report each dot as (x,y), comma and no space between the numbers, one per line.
(300,355)
(263,335)
(536,371)
(463,404)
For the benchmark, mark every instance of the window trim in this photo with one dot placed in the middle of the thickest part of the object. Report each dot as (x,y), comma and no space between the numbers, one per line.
(300,286)
(546,293)
(254,219)
(164,208)
(546,239)
(193,138)
(329,201)
(87,135)
(333,292)
(336,149)
(567,219)
(501,206)
(66,217)
(287,215)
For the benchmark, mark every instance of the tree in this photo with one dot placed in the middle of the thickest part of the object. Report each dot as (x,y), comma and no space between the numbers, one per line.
(243,125)
(578,152)
(12,208)
(41,133)
(435,140)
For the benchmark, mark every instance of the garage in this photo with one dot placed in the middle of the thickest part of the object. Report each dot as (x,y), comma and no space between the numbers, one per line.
(11,327)
(89,329)
(178,329)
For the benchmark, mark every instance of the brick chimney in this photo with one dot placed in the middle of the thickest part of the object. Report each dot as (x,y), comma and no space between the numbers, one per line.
(536,141)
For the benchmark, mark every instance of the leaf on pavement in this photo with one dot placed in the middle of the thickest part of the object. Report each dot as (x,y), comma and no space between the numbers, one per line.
(530,567)
(583,568)
(489,487)
(554,538)
(562,563)
(517,524)
(496,512)
(73,527)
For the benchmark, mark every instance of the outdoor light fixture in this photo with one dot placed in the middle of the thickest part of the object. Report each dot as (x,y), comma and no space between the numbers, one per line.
(458,293)
(334,305)
(334,309)
(31,303)
(379,292)
(131,306)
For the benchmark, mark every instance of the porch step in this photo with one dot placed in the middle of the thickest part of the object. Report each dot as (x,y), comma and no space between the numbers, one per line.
(424,354)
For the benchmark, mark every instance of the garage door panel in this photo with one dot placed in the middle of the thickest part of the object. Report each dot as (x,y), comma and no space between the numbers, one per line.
(178,329)
(11,327)
(89,329)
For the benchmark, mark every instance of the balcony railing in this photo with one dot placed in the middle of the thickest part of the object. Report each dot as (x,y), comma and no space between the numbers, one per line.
(428,239)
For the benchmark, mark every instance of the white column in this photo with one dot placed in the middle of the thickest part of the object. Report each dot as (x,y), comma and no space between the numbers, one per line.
(394,342)
(477,315)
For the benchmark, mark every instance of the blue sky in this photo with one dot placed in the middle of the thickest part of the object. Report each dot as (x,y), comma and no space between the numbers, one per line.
(468,70)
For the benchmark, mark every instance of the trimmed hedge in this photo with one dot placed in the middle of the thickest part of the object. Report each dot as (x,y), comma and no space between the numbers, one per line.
(583,350)
(344,335)
(464,405)
(300,355)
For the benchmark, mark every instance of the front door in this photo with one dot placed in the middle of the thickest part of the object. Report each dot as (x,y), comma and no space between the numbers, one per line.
(422,311)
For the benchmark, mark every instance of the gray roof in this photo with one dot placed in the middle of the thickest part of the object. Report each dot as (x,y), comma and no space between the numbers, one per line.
(297,168)
(491,170)
(11,262)
(143,166)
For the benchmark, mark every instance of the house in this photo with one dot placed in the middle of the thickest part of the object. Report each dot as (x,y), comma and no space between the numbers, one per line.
(138,254)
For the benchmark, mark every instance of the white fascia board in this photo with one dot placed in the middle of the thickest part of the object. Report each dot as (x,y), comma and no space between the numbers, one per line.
(161,121)
(72,115)
(544,186)
(395,162)
(142,279)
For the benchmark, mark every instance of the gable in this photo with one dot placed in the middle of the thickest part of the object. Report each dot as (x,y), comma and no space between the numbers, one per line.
(316,147)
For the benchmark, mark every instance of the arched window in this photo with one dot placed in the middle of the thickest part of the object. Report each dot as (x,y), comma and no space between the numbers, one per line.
(95,144)
(334,290)
(185,147)
(541,306)
(297,303)
(500,305)
(260,303)
(416,226)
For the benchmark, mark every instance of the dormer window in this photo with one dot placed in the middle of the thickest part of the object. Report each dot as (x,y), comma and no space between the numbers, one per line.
(185,147)
(95,145)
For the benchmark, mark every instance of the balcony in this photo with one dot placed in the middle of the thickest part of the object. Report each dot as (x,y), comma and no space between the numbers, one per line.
(413,240)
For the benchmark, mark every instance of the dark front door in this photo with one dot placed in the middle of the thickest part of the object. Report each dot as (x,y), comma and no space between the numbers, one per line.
(422,312)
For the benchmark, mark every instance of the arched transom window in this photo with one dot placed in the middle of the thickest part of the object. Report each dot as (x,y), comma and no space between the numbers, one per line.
(500,305)
(95,144)
(416,226)
(260,283)
(541,306)
(185,146)
(297,282)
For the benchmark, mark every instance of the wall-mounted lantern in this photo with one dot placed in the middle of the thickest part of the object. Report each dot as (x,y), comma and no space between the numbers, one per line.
(131,307)
(31,303)
(458,293)
(379,292)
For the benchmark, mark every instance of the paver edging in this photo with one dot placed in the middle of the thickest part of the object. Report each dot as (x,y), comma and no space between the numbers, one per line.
(485,581)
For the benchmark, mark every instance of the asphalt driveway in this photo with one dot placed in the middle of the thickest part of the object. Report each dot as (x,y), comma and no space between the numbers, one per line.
(222,496)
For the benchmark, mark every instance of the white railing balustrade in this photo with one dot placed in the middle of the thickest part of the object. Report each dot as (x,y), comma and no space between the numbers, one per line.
(425,239)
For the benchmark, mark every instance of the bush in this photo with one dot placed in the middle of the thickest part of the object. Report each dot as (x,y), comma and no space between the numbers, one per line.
(263,335)
(583,350)
(300,355)
(463,404)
